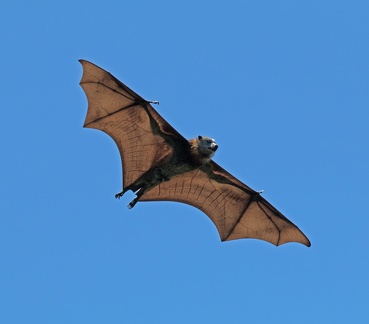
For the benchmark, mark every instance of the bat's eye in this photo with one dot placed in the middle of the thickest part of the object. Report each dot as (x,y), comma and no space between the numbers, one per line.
(209,141)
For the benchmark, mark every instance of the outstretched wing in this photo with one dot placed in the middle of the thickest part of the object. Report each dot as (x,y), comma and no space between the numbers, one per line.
(143,137)
(236,210)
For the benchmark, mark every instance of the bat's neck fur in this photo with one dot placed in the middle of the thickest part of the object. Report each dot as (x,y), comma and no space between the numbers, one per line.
(202,149)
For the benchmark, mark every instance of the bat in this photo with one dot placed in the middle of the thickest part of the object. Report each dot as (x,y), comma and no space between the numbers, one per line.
(159,164)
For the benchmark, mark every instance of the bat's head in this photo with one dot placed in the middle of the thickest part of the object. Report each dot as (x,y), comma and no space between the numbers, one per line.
(207,146)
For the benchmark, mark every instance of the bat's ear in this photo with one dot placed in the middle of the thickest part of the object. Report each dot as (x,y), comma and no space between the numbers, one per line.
(199,137)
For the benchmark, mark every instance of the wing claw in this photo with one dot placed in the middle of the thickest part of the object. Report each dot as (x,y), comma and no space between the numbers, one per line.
(155,102)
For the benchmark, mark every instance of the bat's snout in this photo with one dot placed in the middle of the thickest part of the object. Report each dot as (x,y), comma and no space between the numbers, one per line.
(215,147)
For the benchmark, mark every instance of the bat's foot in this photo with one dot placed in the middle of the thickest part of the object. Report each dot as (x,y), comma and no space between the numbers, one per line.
(120,194)
(132,203)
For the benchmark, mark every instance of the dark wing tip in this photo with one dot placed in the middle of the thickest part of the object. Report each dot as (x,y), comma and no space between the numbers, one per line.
(302,239)
(84,61)
(308,243)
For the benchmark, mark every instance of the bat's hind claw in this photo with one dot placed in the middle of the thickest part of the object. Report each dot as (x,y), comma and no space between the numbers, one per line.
(132,203)
(119,194)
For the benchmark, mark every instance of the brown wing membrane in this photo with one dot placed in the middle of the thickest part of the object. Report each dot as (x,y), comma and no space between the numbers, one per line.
(236,210)
(144,139)
(137,129)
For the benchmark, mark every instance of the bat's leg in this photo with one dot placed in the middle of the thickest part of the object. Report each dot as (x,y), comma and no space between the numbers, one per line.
(120,194)
(139,184)
(145,182)
(134,187)
(138,195)
(132,203)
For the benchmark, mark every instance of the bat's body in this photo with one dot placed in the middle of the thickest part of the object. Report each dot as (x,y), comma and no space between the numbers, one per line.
(160,164)
(187,156)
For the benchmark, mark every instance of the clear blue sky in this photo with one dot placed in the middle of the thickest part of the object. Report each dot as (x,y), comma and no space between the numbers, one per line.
(283,86)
